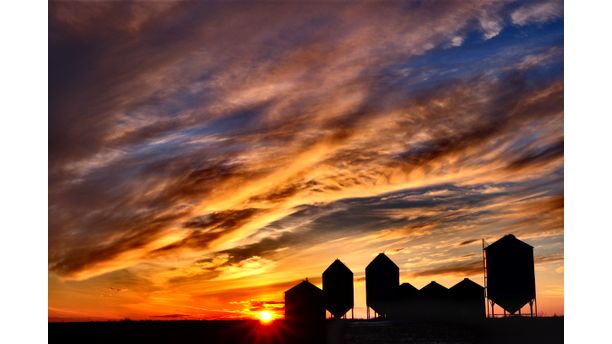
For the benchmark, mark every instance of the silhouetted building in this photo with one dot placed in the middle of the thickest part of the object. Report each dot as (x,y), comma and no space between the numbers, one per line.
(338,289)
(467,300)
(407,291)
(510,276)
(433,301)
(406,305)
(304,303)
(382,281)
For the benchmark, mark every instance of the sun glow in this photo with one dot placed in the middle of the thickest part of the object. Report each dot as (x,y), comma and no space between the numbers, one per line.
(265,317)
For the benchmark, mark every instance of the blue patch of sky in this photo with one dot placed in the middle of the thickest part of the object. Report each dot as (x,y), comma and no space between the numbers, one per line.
(477,56)
(216,130)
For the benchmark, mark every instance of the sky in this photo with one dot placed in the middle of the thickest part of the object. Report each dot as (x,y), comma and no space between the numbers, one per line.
(204,157)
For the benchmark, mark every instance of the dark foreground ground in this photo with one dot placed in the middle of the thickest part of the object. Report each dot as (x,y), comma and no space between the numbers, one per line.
(510,330)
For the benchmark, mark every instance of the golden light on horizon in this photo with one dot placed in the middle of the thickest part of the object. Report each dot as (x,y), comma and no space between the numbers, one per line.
(265,317)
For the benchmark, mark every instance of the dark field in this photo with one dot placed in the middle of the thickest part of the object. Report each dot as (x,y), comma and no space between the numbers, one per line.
(510,330)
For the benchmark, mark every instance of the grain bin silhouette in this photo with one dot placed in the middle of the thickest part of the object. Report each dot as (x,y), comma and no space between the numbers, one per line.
(304,303)
(467,300)
(510,276)
(382,281)
(406,291)
(433,301)
(338,289)
(406,306)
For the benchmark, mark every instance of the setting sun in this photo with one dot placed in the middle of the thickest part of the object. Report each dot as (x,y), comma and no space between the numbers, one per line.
(265,317)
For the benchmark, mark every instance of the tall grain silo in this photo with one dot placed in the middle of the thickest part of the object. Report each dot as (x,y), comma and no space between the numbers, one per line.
(338,289)
(382,281)
(304,303)
(510,275)
(467,300)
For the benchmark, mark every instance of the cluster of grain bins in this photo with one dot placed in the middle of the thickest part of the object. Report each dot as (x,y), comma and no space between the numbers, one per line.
(509,276)
(391,300)
(305,302)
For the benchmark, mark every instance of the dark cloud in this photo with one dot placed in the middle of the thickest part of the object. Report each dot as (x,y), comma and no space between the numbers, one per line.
(549,258)
(459,269)
(78,259)
(170,316)
(467,242)
(210,227)
(538,156)
(506,109)
(453,205)
(242,293)
(257,306)
(473,267)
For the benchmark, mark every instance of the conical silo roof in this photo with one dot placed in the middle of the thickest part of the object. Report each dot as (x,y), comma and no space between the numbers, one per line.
(407,290)
(466,289)
(434,290)
(381,262)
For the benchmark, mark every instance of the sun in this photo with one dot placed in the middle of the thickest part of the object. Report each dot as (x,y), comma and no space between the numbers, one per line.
(265,317)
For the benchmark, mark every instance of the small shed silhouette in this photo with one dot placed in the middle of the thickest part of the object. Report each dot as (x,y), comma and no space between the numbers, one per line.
(382,281)
(510,275)
(304,303)
(467,300)
(338,289)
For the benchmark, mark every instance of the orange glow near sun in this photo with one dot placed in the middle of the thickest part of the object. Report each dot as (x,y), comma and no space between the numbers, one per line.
(265,317)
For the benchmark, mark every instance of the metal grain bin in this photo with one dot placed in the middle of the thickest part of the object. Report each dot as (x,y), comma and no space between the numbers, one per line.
(406,306)
(510,273)
(304,303)
(338,289)
(467,300)
(382,281)
(433,302)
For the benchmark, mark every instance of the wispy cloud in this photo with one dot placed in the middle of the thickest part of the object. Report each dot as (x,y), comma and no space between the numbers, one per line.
(537,12)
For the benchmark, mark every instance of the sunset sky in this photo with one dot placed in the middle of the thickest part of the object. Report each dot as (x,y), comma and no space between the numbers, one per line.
(206,156)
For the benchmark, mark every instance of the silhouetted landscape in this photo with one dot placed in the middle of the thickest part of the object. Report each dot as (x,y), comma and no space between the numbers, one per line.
(402,313)
(503,330)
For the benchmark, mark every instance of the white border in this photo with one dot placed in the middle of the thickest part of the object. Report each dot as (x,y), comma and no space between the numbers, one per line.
(588,57)
(23,171)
